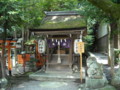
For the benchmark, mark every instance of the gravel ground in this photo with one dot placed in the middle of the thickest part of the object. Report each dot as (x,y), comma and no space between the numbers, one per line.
(24,83)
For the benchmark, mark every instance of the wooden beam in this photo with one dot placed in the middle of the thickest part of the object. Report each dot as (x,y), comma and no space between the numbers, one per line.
(57,32)
(8,46)
(60,29)
(1,41)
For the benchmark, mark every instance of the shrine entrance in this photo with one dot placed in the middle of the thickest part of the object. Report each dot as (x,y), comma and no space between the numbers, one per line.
(59,53)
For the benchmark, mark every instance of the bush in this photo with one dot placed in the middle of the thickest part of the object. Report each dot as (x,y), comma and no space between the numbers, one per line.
(117,58)
(32,64)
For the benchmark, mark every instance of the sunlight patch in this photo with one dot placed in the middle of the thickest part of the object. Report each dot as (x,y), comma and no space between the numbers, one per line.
(21,86)
(52,84)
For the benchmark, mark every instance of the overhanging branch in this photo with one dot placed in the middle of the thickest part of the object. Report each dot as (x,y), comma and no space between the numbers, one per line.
(108,6)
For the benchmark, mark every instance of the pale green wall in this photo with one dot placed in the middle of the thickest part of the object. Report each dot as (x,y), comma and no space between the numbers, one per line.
(102,38)
(102,30)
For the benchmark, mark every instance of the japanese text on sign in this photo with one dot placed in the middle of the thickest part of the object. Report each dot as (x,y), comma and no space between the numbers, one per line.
(80,46)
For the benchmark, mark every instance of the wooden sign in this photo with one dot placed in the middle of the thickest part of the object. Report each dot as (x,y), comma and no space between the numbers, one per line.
(80,50)
(80,46)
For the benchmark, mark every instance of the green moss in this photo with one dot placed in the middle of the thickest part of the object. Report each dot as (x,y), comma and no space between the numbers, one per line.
(68,24)
(30,42)
(28,73)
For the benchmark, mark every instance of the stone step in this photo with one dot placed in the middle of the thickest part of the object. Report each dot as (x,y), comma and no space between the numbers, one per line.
(54,67)
(56,75)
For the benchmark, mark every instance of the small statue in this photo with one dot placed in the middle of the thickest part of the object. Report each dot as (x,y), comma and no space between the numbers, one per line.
(95,69)
(95,74)
(116,78)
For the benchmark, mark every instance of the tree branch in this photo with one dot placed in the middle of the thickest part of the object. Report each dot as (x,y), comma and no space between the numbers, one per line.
(108,6)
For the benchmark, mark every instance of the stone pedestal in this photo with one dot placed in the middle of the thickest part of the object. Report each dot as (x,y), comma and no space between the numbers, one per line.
(3,83)
(116,78)
(96,79)
(107,87)
(96,83)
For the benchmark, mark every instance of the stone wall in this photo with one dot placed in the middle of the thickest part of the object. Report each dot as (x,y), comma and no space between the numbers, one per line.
(102,43)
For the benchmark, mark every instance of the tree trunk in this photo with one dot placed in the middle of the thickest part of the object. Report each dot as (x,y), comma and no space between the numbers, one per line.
(23,47)
(109,45)
(23,38)
(27,38)
(3,59)
(0,66)
(110,50)
(118,28)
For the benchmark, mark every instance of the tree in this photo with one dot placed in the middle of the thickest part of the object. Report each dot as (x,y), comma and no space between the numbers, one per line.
(112,9)
(93,16)
(108,6)
(9,20)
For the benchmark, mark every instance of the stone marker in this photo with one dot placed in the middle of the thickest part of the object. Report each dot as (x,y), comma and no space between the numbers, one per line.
(96,77)
(116,78)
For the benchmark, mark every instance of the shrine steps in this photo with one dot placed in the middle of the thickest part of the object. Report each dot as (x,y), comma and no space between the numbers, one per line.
(50,75)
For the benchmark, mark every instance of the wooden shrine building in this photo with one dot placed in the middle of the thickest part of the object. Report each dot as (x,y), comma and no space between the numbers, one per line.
(60,29)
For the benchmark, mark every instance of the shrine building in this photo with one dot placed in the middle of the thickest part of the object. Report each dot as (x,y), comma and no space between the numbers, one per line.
(60,29)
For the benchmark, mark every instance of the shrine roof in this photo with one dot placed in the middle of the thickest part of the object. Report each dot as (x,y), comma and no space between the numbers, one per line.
(61,20)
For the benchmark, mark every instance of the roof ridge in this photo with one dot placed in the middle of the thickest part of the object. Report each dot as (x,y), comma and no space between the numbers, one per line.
(61,13)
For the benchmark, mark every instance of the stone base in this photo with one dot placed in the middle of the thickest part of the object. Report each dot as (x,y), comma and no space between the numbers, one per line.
(96,83)
(116,81)
(107,87)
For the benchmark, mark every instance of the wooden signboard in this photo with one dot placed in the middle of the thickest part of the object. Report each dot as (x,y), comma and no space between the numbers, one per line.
(80,49)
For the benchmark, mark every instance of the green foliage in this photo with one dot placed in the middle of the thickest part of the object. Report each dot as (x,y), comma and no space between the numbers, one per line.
(117,53)
(116,1)
(29,13)
(94,15)
(32,39)
(32,63)
(30,42)
(33,60)
(111,8)
(89,38)
(90,11)
(10,16)
(59,5)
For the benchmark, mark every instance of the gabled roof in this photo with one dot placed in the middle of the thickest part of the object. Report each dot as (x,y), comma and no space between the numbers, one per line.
(62,20)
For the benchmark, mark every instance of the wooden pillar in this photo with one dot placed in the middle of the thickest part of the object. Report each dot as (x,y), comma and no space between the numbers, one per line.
(70,53)
(47,60)
(8,46)
(36,49)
